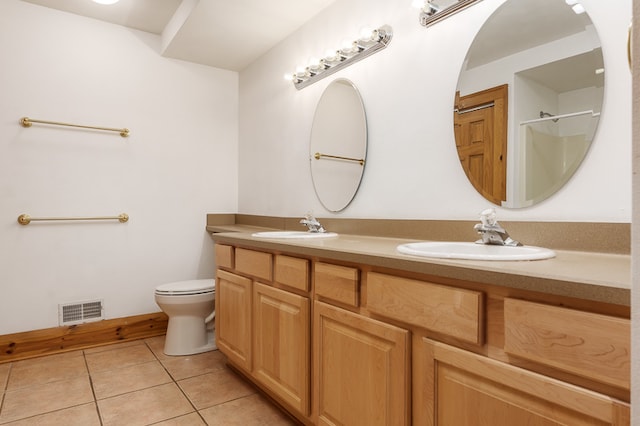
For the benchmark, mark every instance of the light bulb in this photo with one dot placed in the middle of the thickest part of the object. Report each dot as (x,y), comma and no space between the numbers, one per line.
(331,56)
(347,46)
(571,2)
(106,1)
(366,34)
(418,4)
(314,63)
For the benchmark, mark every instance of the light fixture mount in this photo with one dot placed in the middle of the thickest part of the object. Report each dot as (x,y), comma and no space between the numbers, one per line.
(349,53)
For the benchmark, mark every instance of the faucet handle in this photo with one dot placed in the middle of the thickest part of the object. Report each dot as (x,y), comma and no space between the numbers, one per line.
(312,223)
(488,217)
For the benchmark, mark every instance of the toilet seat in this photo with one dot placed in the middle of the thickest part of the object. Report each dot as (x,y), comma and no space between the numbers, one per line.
(186,288)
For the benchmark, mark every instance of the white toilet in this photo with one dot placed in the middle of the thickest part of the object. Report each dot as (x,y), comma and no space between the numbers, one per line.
(190,308)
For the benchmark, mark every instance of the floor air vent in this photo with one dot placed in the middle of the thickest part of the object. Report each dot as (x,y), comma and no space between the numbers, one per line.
(81,312)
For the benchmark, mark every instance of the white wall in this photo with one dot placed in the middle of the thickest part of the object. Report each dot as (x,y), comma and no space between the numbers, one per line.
(179,164)
(408,90)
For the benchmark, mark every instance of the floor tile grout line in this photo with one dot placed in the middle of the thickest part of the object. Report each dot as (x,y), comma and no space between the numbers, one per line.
(195,409)
(66,379)
(157,357)
(5,387)
(161,363)
(93,391)
(32,416)
(7,391)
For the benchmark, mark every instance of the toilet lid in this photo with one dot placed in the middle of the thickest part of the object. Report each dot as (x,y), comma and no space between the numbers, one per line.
(188,287)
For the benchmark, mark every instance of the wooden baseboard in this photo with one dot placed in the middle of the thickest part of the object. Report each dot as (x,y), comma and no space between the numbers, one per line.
(30,344)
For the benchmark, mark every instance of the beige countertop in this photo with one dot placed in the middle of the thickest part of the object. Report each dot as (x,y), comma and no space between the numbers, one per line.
(593,276)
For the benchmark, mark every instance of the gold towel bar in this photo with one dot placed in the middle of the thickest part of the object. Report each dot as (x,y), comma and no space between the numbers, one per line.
(25,219)
(27,122)
(318,156)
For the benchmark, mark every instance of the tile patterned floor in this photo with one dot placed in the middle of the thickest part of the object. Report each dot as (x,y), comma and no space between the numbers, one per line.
(130,384)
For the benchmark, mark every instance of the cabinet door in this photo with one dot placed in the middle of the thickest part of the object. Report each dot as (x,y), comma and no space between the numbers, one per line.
(468,389)
(233,318)
(281,344)
(362,369)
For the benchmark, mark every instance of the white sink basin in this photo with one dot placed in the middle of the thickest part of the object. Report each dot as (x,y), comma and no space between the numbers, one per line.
(473,251)
(294,234)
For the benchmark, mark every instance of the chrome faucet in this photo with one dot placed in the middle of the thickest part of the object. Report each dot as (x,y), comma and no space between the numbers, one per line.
(491,232)
(312,223)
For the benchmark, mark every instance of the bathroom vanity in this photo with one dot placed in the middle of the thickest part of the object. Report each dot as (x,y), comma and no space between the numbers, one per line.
(347,331)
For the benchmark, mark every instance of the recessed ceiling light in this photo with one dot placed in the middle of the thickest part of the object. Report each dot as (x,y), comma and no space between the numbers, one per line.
(106,1)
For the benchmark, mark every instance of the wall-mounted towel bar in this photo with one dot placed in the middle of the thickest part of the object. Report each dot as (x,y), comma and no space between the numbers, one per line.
(27,122)
(25,219)
(318,156)
(558,117)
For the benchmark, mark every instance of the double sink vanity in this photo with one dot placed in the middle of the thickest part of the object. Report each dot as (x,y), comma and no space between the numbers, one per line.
(348,330)
(399,325)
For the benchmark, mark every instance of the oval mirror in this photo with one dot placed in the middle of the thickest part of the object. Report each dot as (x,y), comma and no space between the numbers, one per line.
(338,147)
(528,100)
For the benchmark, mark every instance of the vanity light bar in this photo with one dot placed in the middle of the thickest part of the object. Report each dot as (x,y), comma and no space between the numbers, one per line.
(431,11)
(367,45)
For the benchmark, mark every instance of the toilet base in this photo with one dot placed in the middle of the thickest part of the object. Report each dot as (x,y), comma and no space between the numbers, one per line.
(206,348)
(177,342)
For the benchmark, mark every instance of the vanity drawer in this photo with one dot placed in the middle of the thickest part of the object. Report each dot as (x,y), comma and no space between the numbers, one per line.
(452,311)
(590,345)
(292,272)
(256,263)
(224,256)
(337,283)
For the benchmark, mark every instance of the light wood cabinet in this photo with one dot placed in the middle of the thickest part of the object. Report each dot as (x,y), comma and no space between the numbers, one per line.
(233,317)
(292,272)
(337,283)
(447,310)
(255,263)
(362,369)
(265,331)
(583,343)
(355,344)
(281,347)
(224,256)
(466,389)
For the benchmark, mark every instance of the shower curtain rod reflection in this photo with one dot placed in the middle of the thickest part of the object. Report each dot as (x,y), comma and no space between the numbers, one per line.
(27,122)
(25,219)
(318,156)
(558,117)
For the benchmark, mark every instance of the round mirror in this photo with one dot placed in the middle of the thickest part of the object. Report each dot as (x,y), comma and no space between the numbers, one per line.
(528,100)
(338,147)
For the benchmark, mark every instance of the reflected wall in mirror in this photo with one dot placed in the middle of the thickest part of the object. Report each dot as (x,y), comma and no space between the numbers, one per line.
(528,100)
(338,147)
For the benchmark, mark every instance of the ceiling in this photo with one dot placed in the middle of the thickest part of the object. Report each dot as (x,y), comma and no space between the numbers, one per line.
(523,24)
(519,25)
(228,34)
